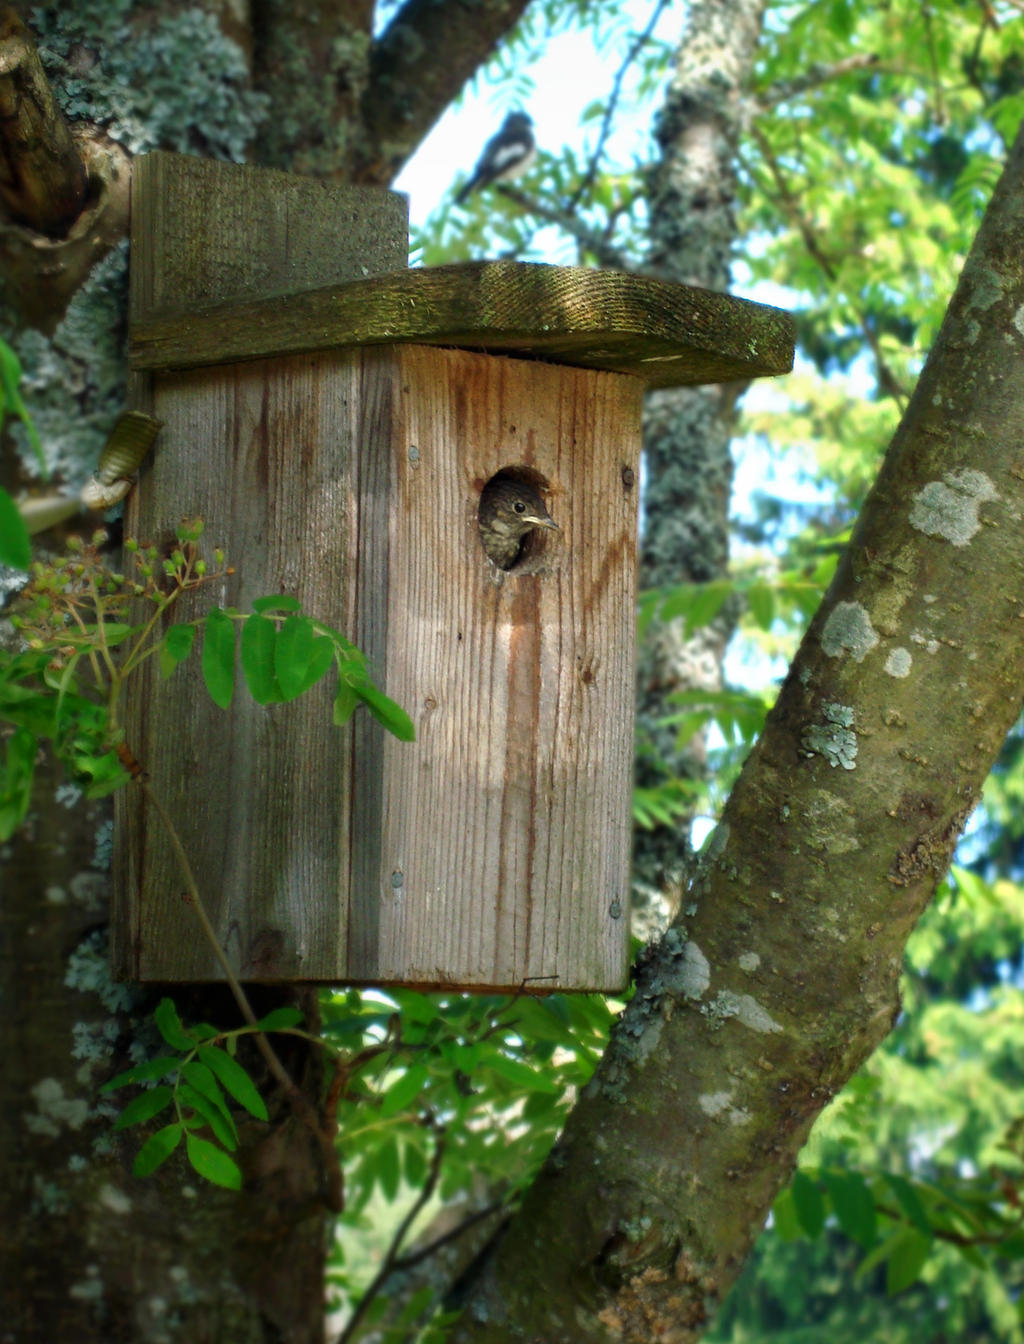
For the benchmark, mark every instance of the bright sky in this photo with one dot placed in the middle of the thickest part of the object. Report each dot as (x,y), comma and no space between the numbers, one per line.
(568,75)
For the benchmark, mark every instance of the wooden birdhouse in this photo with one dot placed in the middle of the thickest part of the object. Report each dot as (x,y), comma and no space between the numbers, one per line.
(337,419)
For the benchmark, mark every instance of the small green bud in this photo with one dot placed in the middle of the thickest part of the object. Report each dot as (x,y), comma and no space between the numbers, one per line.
(200,567)
(130,545)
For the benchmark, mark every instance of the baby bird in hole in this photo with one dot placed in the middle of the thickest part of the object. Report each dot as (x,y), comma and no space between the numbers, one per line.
(509,510)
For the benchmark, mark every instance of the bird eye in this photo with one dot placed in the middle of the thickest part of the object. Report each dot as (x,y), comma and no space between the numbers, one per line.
(519,506)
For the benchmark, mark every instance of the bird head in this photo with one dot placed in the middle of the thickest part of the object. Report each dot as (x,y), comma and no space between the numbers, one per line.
(509,509)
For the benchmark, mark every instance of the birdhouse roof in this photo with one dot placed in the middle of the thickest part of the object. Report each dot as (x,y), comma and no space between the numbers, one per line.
(666,334)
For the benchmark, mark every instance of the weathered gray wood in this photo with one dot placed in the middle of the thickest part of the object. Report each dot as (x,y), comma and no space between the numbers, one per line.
(207,232)
(667,334)
(495,850)
(239,783)
(265,454)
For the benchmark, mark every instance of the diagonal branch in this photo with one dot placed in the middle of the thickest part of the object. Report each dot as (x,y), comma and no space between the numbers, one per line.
(391,1255)
(814,77)
(417,67)
(789,206)
(782,973)
(569,221)
(636,46)
(42,178)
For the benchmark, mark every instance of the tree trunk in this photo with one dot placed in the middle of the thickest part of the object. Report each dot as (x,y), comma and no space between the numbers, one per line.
(91,1253)
(781,977)
(687,431)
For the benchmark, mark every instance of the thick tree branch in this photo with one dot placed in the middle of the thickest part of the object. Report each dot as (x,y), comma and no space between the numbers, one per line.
(42,177)
(418,66)
(311,60)
(760,1003)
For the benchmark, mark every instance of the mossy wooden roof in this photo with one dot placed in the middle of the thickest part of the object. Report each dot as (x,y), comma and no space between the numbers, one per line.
(666,334)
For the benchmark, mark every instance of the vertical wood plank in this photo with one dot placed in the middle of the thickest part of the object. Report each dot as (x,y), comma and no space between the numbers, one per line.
(205,232)
(263,454)
(258,794)
(505,835)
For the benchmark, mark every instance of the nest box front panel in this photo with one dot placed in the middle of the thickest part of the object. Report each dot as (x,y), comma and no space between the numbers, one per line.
(495,849)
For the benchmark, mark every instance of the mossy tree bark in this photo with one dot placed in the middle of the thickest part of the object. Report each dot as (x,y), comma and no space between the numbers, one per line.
(687,431)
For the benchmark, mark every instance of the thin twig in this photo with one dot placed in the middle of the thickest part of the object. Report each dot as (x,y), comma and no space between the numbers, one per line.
(415,1258)
(567,220)
(391,1255)
(296,1099)
(606,121)
(814,77)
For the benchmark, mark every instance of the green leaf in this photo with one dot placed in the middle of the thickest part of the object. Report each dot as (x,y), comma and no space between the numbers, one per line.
(259,636)
(16,775)
(12,404)
(144,1107)
(293,649)
(854,1206)
(213,1111)
(908,1252)
(15,548)
(521,1075)
(146,1072)
(157,1149)
(387,1167)
(707,602)
(219,657)
(235,1079)
(200,1076)
(404,1090)
(909,1202)
(973,888)
(761,603)
(345,702)
(176,647)
(784,1216)
(212,1163)
(385,711)
(114,632)
(809,1204)
(301,657)
(168,1024)
(280,602)
(414,1163)
(279,1019)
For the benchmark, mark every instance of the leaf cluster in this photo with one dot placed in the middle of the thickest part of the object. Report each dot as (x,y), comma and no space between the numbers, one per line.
(202,1081)
(458,1093)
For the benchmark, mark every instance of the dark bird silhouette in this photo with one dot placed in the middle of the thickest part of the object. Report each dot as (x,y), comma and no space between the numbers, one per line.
(505,155)
(509,510)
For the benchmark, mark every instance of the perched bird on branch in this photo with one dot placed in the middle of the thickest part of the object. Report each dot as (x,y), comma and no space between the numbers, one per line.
(509,510)
(505,155)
